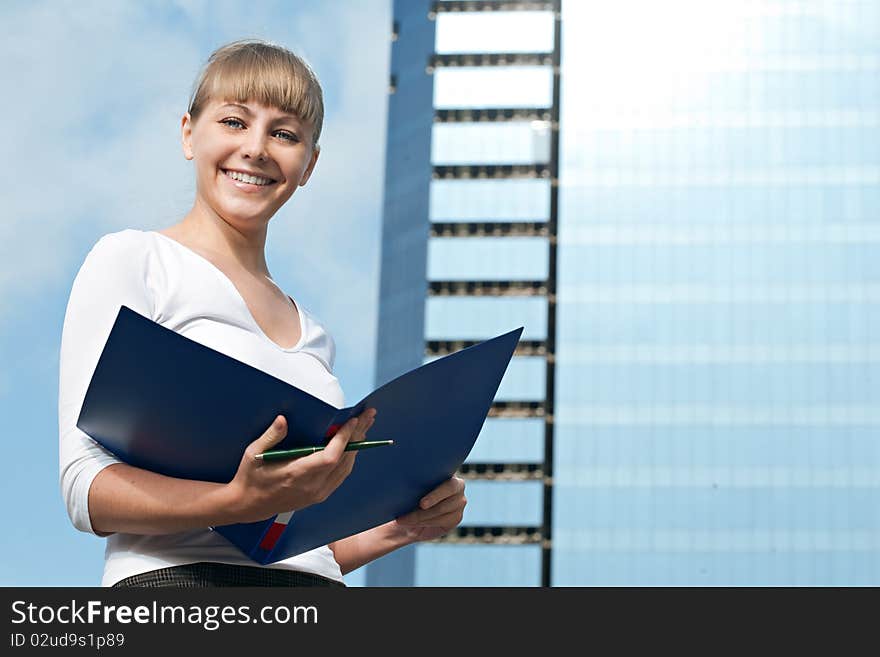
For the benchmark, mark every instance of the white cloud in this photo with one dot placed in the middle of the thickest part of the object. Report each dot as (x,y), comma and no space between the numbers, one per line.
(91,117)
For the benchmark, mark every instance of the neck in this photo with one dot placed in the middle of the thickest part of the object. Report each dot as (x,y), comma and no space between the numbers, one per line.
(204,228)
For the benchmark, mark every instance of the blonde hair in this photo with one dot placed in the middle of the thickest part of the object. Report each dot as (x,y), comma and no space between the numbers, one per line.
(263,72)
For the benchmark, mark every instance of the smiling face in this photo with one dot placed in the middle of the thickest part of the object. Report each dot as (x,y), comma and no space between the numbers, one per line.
(249,159)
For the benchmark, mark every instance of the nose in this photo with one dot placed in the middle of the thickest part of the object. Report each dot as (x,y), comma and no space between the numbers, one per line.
(254,147)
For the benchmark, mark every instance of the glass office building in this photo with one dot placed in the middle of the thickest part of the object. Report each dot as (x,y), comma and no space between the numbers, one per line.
(680,202)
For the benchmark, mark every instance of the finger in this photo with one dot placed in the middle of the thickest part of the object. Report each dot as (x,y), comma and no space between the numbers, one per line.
(271,437)
(346,462)
(361,433)
(334,452)
(358,428)
(336,447)
(452,486)
(426,516)
(446,521)
(360,424)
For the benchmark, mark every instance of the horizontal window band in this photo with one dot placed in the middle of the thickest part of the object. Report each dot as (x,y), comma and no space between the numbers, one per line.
(726,354)
(487,288)
(517,409)
(634,234)
(506,471)
(782,540)
(800,62)
(498,115)
(707,477)
(445,347)
(493,5)
(495,227)
(618,119)
(509,535)
(491,59)
(715,415)
(582,177)
(490,229)
(495,171)
(719,294)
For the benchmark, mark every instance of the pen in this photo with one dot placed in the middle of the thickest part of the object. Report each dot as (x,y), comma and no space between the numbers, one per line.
(284,454)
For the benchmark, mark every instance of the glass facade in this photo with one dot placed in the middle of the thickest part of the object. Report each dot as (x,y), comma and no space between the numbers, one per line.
(700,249)
(717,300)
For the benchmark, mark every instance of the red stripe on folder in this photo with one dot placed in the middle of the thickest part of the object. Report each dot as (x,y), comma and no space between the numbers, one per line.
(332,430)
(272,536)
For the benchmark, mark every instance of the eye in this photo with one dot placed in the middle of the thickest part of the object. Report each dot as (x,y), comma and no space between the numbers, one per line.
(288,136)
(231,120)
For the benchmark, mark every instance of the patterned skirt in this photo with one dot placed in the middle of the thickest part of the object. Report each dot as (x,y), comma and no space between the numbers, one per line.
(205,574)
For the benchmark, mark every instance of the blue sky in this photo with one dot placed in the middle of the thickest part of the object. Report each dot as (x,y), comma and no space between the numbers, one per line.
(95,91)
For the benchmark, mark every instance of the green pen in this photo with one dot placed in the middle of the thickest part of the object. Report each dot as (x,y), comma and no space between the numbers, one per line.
(284,454)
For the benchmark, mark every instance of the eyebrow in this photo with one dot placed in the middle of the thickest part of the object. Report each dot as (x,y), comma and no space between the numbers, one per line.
(247,110)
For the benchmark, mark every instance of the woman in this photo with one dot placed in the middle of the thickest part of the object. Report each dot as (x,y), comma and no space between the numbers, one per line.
(252,132)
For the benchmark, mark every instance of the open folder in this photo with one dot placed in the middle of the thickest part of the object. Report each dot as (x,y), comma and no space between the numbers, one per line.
(163,402)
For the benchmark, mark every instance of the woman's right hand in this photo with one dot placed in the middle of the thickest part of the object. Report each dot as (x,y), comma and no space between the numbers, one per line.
(261,490)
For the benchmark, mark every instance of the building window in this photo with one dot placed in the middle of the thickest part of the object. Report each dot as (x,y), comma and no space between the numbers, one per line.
(490,200)
(508,86)
(515,142)
(494,32)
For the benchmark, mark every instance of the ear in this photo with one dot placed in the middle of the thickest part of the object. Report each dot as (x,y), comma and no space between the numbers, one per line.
(186,135)
(316,151)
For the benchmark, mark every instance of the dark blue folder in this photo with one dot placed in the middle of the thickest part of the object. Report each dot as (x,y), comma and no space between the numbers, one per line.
(163,402)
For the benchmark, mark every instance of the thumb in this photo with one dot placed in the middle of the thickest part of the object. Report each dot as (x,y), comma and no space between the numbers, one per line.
(271,437)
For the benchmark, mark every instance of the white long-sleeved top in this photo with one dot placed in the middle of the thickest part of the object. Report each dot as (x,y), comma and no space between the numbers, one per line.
(162,279)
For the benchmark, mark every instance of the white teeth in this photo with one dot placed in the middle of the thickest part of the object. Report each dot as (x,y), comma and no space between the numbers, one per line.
(243,177)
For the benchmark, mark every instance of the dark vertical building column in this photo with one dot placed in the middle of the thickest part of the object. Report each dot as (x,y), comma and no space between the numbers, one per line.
(552,227)
(405,226)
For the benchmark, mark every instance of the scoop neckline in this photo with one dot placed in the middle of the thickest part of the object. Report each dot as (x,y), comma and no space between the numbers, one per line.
(299,312)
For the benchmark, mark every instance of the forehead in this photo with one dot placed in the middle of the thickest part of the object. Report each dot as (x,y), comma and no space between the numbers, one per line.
(251,107)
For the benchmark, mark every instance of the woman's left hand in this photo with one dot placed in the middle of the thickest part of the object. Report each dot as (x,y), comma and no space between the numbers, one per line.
(439,511)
